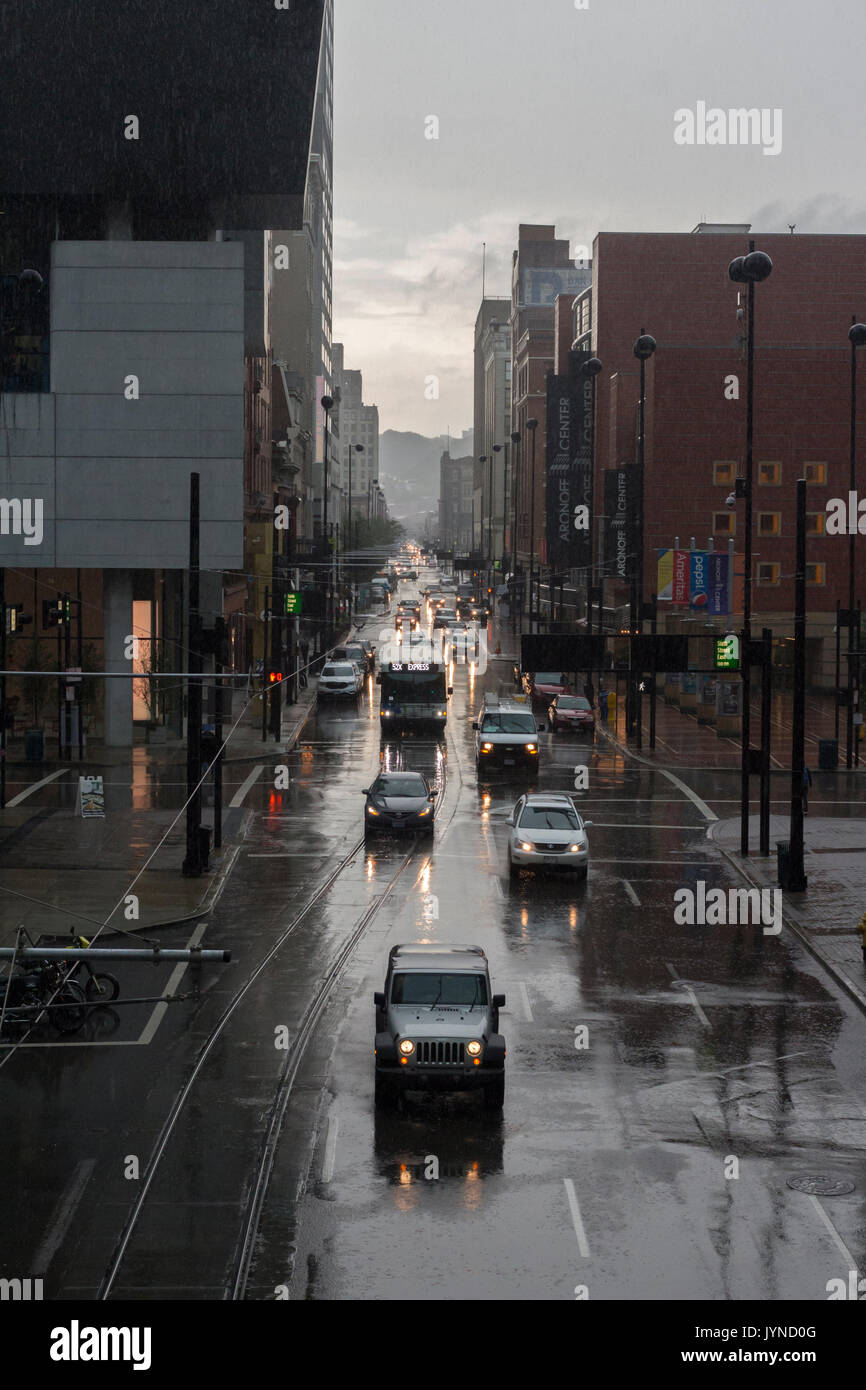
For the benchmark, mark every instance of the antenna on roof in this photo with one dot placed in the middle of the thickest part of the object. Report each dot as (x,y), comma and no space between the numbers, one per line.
(483,266)
(791,226)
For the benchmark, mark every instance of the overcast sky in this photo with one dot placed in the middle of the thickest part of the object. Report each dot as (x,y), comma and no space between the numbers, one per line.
(550,113)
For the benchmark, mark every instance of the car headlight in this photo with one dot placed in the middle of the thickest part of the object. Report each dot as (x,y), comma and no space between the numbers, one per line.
(407,1047)
(575,849)
(487,747)
(425,812)
(371,811)
(385,713)
(525,845)
(531,748)
(473,1048)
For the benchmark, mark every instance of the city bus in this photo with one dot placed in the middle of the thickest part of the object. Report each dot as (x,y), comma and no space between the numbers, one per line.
(414,693)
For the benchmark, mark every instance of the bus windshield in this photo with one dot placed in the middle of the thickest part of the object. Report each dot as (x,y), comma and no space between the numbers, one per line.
(420,687)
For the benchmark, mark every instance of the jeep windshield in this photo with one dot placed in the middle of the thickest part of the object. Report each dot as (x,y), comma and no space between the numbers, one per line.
(507,724)
(429,987)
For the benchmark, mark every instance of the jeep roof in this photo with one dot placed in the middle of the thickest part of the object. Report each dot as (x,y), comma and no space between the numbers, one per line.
(429,956)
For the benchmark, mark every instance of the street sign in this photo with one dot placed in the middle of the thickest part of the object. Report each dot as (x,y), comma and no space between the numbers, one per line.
(293,604)
(727,653)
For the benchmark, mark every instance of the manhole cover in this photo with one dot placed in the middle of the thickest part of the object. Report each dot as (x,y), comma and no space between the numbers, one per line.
(821,1185)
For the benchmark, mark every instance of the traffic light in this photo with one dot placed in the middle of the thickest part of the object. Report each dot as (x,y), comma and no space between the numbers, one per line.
(15,619)
(56,612)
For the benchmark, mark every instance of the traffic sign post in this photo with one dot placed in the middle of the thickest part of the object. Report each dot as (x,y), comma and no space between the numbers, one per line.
(727,653)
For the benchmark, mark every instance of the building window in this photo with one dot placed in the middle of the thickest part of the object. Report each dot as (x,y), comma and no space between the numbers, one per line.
(768,573)
(816,574)
(724,524)
(815,523)
(769,523)
(815,472)
(724,472)
(769,474)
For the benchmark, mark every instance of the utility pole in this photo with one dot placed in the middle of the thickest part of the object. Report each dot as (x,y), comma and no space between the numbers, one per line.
(192,865)
(766,735)
(796,877)
(3,688)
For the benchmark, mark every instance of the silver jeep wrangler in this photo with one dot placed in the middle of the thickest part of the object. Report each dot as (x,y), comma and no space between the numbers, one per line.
(437,1024)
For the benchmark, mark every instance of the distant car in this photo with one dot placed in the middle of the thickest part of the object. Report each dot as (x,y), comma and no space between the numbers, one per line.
(399,801)
(543,686)
(571,714)
(340,680)
(358,652)
(547,832)
(445,617)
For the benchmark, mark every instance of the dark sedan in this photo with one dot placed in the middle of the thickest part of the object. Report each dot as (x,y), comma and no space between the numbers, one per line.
(399,801)
(571,714)
(359,652)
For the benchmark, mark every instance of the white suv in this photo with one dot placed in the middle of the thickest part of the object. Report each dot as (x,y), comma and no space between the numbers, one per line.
(547,831)
(340,680)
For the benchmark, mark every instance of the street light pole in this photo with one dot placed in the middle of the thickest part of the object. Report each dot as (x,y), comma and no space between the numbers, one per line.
(796,877)
(532,426)
(643,349)
(326,403)
(748,270)
(857,338)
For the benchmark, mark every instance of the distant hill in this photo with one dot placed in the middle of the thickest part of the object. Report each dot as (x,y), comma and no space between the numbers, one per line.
(409,469)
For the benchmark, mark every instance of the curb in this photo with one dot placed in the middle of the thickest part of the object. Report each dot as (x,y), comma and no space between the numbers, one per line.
(802,934)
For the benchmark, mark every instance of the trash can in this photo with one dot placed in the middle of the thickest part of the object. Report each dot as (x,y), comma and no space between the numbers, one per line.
(783,862)
(204,837)
(828,754)
(34,745)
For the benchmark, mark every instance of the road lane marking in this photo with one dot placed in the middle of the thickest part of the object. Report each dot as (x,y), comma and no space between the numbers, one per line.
(631,893)
(62,1220)
(524,999)
(693,998)
(834,1235)
(330,1149)
(36,785)
(292,854)
(577,1222)
(237,799)
(174,979)
(693,796)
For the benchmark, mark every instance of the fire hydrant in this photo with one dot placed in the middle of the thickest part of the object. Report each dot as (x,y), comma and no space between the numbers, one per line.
(861,928)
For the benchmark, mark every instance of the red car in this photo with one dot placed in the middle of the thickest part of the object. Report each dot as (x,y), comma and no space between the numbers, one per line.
(544,686)
(571,714)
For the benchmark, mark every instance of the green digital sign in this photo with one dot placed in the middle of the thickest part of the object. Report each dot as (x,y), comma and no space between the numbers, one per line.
(293,604)
(727,653)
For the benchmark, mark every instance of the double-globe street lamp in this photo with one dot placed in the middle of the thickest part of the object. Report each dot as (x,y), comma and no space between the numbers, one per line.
(532,426)
(643,349)
(327,404)
(354,449)
(498,448)
(748,270)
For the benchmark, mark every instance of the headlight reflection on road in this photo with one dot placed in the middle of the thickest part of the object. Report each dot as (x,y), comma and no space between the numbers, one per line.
(573,918)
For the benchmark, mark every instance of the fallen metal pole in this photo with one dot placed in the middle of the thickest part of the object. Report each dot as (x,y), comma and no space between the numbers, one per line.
(155,954)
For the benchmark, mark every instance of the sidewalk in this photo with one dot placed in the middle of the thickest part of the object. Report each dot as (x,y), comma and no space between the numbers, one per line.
(54,864)
(826,915)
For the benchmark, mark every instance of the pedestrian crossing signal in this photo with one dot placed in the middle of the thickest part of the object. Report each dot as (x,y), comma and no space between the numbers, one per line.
(274,676)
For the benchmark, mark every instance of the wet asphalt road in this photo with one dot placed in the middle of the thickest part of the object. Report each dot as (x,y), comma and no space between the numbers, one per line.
(648,1064)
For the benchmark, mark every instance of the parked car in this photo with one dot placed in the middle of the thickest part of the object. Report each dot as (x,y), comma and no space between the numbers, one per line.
(543,686)
(340,680)
(571,714)
(547,831)
(399,801)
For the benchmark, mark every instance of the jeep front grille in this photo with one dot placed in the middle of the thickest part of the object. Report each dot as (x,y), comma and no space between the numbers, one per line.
(440,1053)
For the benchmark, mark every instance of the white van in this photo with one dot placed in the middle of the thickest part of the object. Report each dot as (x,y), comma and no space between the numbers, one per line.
(506,734)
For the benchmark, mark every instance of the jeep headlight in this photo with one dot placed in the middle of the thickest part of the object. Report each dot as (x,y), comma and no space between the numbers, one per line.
(407,1047)
(486,747)
(473,1048)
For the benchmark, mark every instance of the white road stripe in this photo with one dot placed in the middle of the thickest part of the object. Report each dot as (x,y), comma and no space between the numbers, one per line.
(237,799)
(582,1242)
(693,796)
(631,893)
(290,854)
(65,1211)
(834,1235)
(174,980)
(693,998)
(36,785)
(330,1149)
(524,999)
